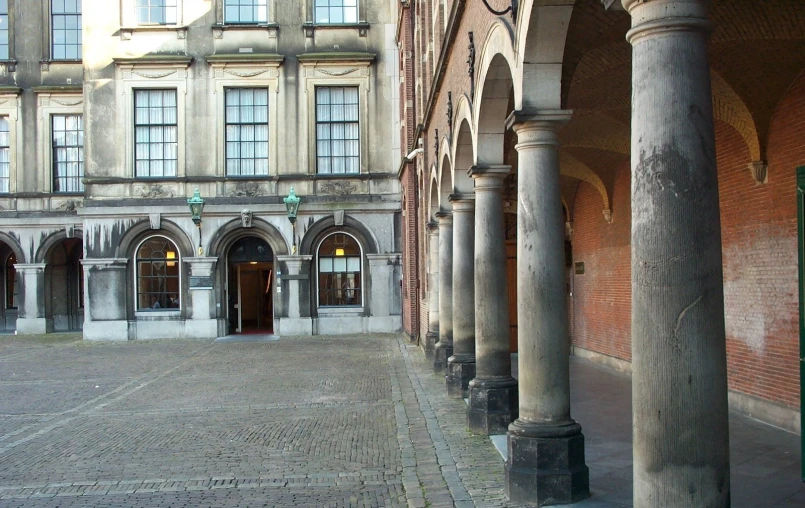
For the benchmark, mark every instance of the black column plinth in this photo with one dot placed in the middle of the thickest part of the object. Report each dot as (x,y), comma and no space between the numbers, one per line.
(460,371)
(493,405)
(546,464)
(441,353)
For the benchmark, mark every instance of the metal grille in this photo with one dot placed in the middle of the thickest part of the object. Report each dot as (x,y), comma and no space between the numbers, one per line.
(155,133)
(66,29)
(247,132)
(337,130)
(68,153)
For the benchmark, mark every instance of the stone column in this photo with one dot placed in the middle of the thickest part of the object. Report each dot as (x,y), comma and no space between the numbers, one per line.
(545,463)
(382,314)
(433,291)
(493,392)
(105,299)
(679,374)
(461,366)
(203,323)
(444,348)
(31,318)
(296,276)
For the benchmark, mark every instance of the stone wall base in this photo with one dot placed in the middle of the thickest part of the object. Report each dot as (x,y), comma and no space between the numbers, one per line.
(762,410)
(106,330)
(33,326)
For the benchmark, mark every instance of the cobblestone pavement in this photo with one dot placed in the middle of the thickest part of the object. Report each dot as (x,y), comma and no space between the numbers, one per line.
(312,421)
(308,421)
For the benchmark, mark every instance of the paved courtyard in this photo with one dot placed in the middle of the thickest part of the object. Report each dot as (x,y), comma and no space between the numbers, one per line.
(313,421)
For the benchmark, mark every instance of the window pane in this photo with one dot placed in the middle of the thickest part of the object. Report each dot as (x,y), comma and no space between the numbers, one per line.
(246,130)
(155,132)
(337,129)
(157,264)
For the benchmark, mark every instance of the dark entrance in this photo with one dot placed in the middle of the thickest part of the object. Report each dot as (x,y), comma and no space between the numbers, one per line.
(250,272)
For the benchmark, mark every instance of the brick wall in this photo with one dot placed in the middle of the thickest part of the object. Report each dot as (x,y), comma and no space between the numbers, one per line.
(759,237)
(602,295)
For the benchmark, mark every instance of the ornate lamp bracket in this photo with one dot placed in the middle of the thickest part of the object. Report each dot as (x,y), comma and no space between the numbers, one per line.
(511,8)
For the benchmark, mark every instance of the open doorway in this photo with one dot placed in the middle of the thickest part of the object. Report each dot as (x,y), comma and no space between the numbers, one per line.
(250,274)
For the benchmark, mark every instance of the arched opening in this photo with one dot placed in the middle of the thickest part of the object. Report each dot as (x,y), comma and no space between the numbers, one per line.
(249,285)
(64,285)
(340,271)
(157,275)
(10,297)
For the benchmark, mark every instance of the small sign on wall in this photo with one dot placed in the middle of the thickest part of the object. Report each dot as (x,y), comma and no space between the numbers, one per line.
(580,268)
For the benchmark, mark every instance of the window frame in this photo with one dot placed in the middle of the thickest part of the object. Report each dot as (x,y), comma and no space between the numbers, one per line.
(343,7)
(150,142)
(224,21)
(233,71)
(240,142)
(10,109)
(9,38)
(147,4)
(54,149)
(130,20)
(146,74)
(331,123)
(51,103)
(337,71)
(323,309)
(51,42)
(179,278)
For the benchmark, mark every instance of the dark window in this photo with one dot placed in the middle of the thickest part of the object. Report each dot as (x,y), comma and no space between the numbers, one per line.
(336,11)
(11,282)
(157,274)
(68,153)
(337,130)
(66,29)
(247,132)
(4,54)
(5,155)
(157,12)
(155,133)
(245,11)
(340,271)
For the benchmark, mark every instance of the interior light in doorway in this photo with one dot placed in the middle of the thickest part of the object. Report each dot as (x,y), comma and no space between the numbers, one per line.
(171,257)
(339,252)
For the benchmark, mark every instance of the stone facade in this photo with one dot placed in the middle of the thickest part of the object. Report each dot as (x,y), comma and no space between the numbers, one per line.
(115,115)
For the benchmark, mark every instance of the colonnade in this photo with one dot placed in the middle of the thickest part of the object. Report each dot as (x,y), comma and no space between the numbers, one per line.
(678,339)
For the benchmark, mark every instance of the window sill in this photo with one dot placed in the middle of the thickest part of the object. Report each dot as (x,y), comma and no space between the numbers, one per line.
(45,64)
(158,313)
(346,310)
(219,29)
(127,32)
(310,28)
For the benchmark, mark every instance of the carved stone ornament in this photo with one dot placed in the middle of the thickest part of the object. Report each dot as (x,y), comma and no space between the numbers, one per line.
(217,33)
(449,113)
(154,191)
(338,217)
(156,220)
(153,75)
(246,218)
(760,171)
(471,67)
(70,205)
(340,72)
(247,190)
(338,188)
(436,145)
(69,230)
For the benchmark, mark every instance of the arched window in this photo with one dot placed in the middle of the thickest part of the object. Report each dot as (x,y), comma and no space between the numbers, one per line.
(340,280)
(158,284)
(11,281)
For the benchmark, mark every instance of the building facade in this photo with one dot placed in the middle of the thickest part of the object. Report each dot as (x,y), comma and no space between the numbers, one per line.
(616,179)
(117,112)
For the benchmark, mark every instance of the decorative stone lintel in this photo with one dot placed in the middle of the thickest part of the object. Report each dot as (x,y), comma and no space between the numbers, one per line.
(294,263)
(30,267)
(201,266)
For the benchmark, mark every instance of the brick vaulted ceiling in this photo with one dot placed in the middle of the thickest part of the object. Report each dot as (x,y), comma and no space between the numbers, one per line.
(757,50)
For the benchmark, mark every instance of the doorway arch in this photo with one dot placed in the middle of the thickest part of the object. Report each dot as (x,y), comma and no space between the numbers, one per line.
(249,286)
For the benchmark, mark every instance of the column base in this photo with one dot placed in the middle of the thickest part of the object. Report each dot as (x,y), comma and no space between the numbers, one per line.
(546,464)
(33,326)
(493,405)
(429,344)
(441,353)
(460,371)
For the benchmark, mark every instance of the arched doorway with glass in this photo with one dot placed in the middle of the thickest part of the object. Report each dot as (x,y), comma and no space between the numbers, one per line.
(250,280)
(340,280)
(158,275)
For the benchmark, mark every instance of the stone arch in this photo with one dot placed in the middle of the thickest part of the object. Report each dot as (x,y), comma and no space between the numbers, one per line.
(729,108)
(233,231)
(496,88)
(463,116)
(540,42)
(52,240)
(14,245)
(572,167)
(169,229)
(445,177)
(433,194)
(319,229)
(463,157)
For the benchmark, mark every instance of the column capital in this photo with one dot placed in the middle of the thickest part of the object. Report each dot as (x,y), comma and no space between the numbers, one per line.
(462,203)
(658,18)
(433,227)
(445,218)
(489,177)
(201,266)
(459,197)
(30,267)
(544,119)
